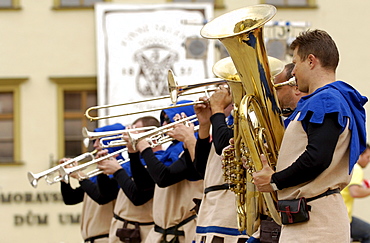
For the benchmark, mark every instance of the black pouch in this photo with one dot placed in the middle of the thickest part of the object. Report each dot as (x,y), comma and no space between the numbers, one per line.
(129,235)
(269,231)
(294,211)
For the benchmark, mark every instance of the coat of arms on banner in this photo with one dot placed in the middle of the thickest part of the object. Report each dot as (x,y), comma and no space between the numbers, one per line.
(138,44)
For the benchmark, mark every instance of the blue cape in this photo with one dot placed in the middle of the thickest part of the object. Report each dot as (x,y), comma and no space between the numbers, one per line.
(338,97)
(188,110)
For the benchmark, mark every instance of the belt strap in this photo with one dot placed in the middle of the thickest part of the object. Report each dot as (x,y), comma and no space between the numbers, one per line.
(327,193)
(225,186)
(173,230)
(130,222)
(92,239)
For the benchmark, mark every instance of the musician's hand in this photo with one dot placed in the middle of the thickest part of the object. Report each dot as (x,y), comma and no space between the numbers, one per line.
(220,99)
(63,160)
(128,141)
(142,145)
(262,178)
(109,166)
(203,111)
(183,132)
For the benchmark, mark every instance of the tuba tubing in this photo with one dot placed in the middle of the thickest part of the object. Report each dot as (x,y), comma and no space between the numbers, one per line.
(256,110)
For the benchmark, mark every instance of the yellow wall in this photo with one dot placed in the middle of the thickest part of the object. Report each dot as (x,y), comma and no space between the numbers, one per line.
(38,42)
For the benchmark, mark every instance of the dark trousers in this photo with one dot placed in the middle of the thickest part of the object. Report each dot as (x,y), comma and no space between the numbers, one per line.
(360,230)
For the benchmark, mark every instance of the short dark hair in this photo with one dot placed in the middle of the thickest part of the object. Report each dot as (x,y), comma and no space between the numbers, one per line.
(318,43)
(148,121)
(289,68)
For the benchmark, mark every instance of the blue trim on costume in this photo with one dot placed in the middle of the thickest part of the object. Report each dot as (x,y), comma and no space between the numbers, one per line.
(337,97)
(253,240)
(220,230)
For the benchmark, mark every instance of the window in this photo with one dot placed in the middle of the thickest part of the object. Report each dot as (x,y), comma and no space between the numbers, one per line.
(292,3)
(9,121)
(75,95)
(218,4)
(76,4)
(9,5)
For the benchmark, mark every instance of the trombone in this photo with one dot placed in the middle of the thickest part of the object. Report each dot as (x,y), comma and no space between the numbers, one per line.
(224,69)
(175,91)
(34,178)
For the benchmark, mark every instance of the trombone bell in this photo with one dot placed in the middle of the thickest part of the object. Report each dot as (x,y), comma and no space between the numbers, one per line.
(176,90)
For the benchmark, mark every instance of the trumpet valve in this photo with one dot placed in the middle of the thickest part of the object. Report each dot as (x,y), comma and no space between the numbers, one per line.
(64,174)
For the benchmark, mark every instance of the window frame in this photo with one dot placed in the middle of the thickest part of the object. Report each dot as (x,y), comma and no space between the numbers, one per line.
(218,4)
(13,85)
(15,6)
(310,5)
(57,5)
(69,84)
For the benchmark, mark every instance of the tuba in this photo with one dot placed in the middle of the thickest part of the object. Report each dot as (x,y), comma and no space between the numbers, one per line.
(258,127)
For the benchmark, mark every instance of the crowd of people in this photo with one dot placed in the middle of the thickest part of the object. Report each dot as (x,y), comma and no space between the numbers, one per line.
(179,195)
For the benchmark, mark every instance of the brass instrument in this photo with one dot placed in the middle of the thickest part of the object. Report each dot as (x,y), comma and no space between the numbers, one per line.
(109,135)
(65,172)
(257,125)
(34,178)
(158,135)
(97,171)
(225,72)
(95,135)
(290,82)
(174,89)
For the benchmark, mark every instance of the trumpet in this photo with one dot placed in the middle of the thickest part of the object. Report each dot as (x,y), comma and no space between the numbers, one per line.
(90,174)
(157,136)
(95,135)
(65,172)
(108,135)
(97,171)
(34,178)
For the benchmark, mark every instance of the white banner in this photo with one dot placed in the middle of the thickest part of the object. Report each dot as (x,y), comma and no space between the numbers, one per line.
(138,44)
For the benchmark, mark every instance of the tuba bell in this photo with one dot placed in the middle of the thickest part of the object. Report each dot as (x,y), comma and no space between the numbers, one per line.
(258,127)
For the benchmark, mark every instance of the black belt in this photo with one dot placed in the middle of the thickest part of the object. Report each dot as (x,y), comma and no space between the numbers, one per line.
(130,222)
(173,230)
(92,239)
(225,186)
(327,193)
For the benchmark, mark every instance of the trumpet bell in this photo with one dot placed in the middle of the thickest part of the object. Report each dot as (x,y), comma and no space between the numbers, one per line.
(32,179)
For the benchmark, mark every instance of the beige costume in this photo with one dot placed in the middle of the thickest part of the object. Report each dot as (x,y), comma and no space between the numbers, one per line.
(173,204)
(217,213)
(328,216)
(95,219)
(126,210)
